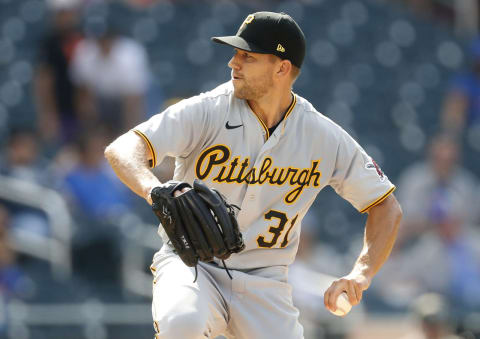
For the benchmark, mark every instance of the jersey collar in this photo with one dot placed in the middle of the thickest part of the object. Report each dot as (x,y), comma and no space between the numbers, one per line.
(285,115)
(289,111)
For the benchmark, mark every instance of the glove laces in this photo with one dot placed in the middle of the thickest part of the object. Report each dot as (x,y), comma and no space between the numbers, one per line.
(224,266)
(232,209)
(226,269)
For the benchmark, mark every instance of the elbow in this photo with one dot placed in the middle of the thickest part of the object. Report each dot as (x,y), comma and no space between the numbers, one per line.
(109,152)
(397,213)
(123,149)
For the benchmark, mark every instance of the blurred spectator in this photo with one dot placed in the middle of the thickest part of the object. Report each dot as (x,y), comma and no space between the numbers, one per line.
(54,90)
(91,186)
(462,104)
(439,193)
(98,202)
(13,282)
(431,313)
(111,72)
(12,279)
(23,161)
(438,249)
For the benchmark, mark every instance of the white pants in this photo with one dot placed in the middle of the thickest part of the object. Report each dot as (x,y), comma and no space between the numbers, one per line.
(254,305)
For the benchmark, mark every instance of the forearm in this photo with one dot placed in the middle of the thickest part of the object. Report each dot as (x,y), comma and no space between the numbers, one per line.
(129,157)
(380,234)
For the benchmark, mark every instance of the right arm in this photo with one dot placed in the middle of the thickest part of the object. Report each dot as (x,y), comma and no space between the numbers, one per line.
(130,158)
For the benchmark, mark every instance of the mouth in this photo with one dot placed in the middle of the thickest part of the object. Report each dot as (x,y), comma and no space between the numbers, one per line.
(236,77)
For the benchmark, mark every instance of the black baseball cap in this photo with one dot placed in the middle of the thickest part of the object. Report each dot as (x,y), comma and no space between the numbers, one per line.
(269,33)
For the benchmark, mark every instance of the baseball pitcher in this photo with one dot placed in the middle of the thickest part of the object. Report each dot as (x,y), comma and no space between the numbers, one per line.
(251,156)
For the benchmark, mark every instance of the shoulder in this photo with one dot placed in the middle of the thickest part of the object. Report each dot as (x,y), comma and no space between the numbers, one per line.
(218,97)
(311,119)
(213,102)
(307,113)
(221,92)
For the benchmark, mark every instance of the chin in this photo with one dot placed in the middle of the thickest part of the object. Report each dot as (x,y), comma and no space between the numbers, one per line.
(238,93)
(243,92)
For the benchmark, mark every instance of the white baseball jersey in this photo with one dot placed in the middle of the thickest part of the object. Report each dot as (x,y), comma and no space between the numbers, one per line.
(217,138)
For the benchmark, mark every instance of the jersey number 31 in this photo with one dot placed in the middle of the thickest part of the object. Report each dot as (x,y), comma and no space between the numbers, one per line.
(276,230)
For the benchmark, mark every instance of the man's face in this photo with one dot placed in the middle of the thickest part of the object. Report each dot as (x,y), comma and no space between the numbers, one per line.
(252,74)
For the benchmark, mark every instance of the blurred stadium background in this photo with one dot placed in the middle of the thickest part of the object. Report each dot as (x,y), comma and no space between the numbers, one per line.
(74,260)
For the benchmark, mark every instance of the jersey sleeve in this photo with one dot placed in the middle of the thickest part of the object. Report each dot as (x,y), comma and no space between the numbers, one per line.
(357,178)
(176,131)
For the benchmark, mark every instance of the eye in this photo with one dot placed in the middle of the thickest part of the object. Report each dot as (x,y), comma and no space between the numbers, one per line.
(244,55)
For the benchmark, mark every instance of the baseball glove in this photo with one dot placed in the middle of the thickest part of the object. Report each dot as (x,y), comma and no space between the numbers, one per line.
(200,223)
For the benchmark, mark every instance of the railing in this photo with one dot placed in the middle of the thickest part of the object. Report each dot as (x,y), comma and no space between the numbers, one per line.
(142,240)
(55,248)
(92,317)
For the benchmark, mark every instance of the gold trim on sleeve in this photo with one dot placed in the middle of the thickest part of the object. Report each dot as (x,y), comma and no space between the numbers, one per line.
(379,200)
(150,147)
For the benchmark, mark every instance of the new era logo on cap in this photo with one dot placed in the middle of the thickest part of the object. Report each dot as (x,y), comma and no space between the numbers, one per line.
(269,33)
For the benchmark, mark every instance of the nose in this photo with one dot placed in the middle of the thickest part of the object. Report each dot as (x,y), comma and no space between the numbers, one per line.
(233,63)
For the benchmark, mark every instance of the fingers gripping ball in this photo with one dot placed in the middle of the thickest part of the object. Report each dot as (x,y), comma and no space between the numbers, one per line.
(199,223)
(343,305)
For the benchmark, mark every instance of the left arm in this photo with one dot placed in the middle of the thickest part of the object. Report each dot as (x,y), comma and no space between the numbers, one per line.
(380,234)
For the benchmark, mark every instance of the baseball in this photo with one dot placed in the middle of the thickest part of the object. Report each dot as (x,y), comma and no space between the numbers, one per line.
(343,305)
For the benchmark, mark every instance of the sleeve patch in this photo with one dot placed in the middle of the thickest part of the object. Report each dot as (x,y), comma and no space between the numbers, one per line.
(373,165)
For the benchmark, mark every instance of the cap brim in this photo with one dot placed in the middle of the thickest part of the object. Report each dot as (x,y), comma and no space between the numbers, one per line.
(238,42)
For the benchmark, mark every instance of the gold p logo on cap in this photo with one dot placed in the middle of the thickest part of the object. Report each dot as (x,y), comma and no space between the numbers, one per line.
(249,19)
(280,48)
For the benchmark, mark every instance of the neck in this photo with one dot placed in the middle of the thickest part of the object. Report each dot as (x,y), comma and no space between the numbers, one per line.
(271,107)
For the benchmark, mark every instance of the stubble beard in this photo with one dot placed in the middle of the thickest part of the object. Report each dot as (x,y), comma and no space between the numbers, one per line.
(248,91)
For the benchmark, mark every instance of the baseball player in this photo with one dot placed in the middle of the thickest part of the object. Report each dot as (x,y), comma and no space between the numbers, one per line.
(270,152)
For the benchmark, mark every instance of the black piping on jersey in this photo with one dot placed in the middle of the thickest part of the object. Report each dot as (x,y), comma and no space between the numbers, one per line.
(153,162)
(379,200)
(269,131)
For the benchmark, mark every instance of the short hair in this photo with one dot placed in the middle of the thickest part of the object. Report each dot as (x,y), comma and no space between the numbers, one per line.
(295,73)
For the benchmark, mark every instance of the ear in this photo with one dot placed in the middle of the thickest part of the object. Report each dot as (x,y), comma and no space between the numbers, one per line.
(284,69)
